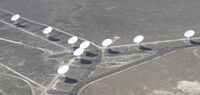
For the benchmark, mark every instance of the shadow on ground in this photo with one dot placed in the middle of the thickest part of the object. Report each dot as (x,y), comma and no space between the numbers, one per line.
(195,43)
(75,47)
(145,48)
(53,39)
(70,80)
(90,54)
(84,61)
(112,51)
(21,24)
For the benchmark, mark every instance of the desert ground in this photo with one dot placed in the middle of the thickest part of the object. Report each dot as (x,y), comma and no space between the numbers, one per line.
(165,64)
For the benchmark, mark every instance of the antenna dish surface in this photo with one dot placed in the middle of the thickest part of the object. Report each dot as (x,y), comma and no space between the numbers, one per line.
(138,39)
(189,33)
(78,52)
(85,44)
(47,30)
(15,17)
(106,42)
(63,69)
(72,40)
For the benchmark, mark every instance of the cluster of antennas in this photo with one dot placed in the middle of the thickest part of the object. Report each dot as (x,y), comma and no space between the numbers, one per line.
(84,45)
(106,43)
(62,70)
(139,39)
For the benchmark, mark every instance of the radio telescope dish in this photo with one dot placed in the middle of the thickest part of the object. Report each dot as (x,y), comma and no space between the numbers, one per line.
(85,44)
(189,33)
(138,39)
(47,30)
(106,42)
(73,40)
(63,69)
(15,17)
(78,52)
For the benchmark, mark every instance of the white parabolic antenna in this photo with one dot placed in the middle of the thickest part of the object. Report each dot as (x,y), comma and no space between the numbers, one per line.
(189,33)
(72,40)
(15,17)
(85,44)
(78,52)
(106,42)
(47,30)
(138,39)
(63,69)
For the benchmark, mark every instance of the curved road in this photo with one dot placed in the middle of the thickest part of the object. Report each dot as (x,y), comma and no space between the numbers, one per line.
(160,53)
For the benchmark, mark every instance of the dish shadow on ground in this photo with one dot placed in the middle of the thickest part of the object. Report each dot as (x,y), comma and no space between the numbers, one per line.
(145,48)
(194,42)
(84,61)
(112,51)
(74,47)
(90,54)
(21,24)
(70,80)
(53,39)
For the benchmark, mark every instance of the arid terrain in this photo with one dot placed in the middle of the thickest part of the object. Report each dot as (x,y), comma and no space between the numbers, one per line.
(165,64)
